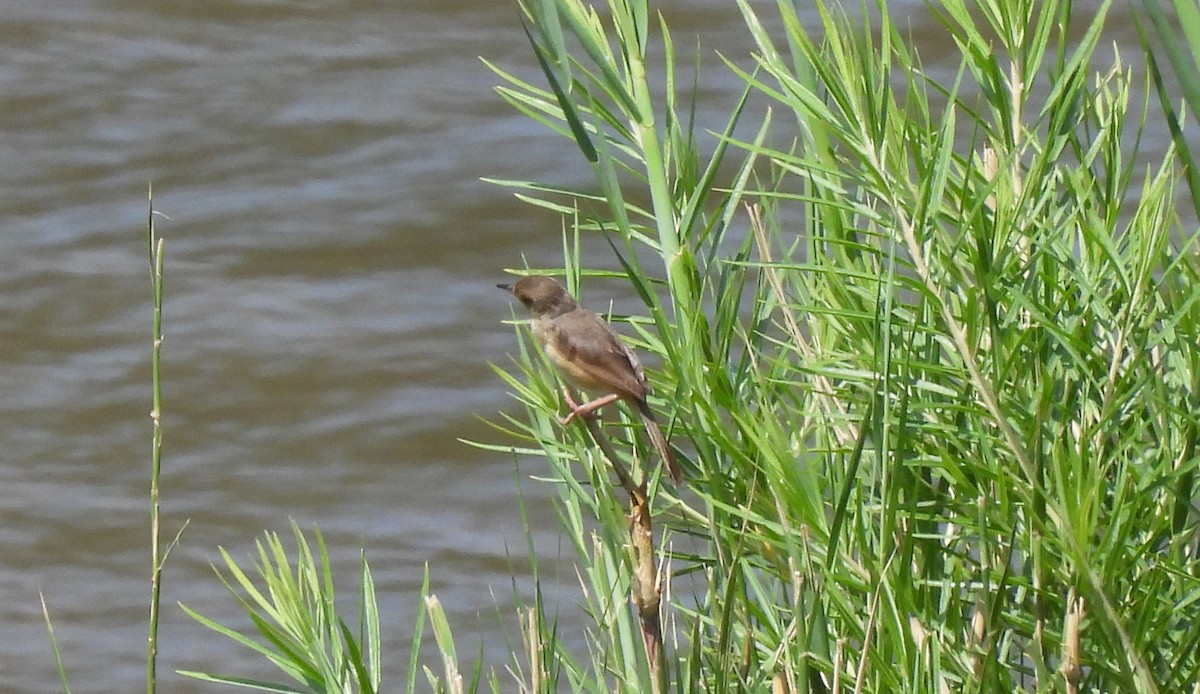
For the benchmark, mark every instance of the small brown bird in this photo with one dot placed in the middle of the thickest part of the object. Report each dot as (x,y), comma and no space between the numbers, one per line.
(590,355)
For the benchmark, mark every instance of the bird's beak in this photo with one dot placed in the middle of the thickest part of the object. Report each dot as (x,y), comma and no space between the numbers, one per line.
(505,287)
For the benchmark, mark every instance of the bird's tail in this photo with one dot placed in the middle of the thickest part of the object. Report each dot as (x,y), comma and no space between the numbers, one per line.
(659,440)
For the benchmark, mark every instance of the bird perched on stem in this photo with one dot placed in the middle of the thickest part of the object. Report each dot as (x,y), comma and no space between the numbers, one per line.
(591,355)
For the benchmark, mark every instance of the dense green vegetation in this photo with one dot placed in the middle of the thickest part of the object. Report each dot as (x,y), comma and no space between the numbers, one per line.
(928,351)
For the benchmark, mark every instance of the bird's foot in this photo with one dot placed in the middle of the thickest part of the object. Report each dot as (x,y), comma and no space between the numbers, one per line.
(586,410)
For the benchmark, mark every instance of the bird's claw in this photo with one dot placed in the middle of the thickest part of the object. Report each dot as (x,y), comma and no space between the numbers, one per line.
(576,410)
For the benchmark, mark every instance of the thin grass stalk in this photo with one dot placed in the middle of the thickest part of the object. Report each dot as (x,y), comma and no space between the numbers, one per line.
(58,661)
(1187,72)
(157,254)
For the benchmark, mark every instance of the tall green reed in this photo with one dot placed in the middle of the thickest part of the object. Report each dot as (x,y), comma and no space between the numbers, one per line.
(157,258)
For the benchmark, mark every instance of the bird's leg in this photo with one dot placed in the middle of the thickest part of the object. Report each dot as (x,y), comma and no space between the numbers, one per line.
(585,410)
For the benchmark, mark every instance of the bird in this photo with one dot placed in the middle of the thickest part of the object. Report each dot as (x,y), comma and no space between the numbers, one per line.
(590,355)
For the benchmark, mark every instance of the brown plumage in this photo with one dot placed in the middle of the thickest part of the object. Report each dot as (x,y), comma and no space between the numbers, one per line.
(590,355)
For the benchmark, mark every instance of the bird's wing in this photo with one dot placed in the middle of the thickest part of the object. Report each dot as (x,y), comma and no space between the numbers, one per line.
(598,357)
